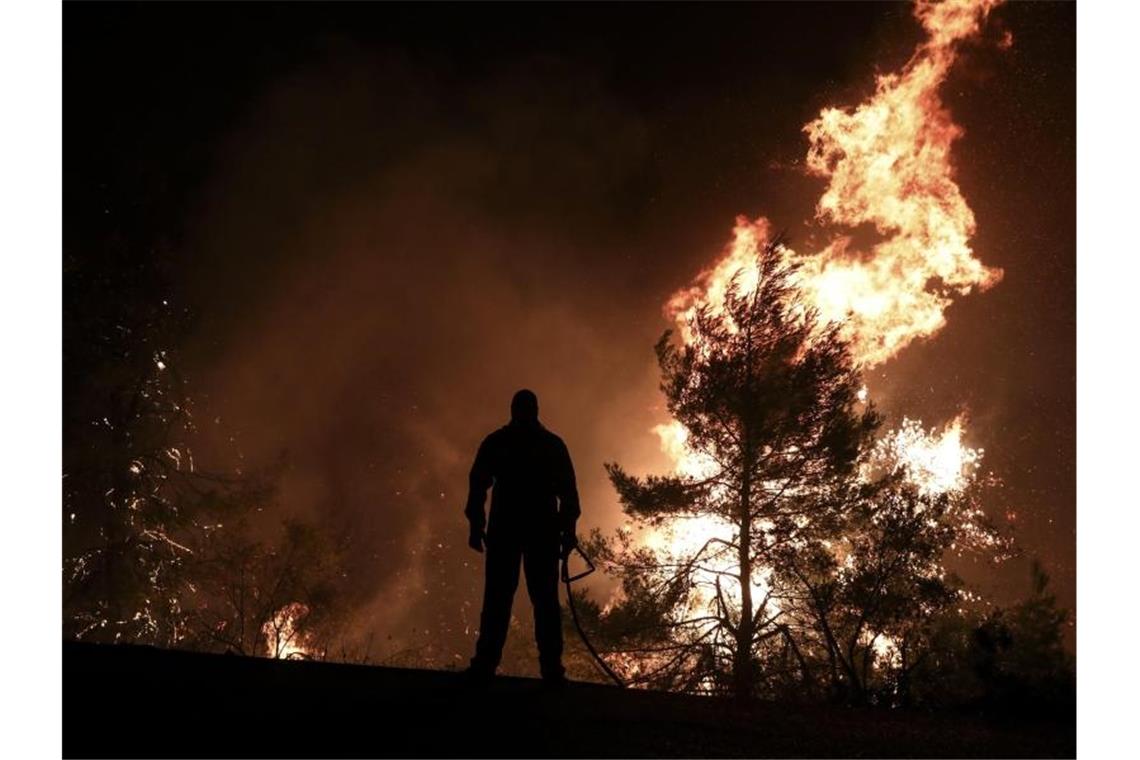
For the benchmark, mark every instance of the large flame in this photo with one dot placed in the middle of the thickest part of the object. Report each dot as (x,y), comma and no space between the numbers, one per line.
(887,164)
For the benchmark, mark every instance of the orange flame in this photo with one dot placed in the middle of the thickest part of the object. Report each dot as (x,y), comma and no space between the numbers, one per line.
(887,164)
(283,640)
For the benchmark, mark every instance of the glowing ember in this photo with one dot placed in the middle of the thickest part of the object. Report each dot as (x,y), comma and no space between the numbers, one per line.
(282,639)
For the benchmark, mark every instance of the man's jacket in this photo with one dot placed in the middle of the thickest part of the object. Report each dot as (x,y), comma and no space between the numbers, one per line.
(533,479)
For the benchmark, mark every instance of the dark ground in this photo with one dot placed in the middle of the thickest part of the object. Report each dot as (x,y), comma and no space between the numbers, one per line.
(125,701)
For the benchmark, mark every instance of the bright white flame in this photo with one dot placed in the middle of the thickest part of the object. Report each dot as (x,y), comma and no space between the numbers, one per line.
(683,537)
(936,462)
(674,440)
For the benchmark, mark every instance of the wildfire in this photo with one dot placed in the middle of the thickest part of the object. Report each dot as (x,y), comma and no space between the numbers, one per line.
(283,640)
(887,164)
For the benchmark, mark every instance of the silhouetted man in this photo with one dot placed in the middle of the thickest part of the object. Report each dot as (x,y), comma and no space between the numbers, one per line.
(534,508)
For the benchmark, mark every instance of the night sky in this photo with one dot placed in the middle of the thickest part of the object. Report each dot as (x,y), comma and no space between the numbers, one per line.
(384,220)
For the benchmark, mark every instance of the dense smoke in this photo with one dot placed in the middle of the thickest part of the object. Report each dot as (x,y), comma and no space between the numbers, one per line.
(379,297)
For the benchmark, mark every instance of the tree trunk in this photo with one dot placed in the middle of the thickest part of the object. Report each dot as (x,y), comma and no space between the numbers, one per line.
(742,660)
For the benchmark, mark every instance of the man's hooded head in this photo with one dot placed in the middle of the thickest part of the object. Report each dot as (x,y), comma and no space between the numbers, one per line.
(524,407)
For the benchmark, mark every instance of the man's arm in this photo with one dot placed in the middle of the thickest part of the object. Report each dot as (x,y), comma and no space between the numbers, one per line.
(569,509)
(479,480)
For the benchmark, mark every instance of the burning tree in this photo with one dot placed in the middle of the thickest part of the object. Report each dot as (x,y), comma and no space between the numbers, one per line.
(283,599)
(791,548)
(866,597)
(767,397)
(785,540)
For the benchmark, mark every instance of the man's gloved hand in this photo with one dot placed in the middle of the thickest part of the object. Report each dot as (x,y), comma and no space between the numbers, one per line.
(476,539)
(568,543)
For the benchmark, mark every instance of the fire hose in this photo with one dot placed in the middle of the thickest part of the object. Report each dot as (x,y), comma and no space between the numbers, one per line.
(567,579)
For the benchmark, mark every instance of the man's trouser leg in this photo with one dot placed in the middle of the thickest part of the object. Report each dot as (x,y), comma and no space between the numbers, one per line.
(501,581)
(541,565)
